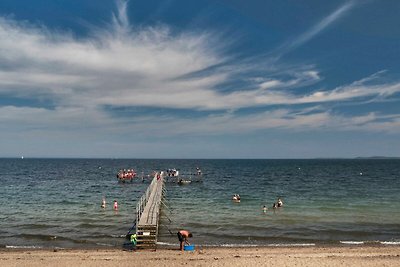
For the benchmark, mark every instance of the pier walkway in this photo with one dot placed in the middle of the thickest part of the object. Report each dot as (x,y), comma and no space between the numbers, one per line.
(148,213)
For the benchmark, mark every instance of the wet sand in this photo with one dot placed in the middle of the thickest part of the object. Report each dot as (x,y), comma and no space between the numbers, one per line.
(261,256)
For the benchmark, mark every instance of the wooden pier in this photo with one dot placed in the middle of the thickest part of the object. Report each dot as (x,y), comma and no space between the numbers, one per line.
(148,213)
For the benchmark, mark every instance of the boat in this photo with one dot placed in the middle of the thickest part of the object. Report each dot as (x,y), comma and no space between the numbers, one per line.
(172,173)
(126,175)
(184,182)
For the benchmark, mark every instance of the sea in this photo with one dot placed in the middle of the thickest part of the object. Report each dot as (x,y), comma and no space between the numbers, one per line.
(56,203)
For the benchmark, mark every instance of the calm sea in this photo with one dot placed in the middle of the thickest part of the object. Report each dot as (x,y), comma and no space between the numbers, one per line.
(49,203)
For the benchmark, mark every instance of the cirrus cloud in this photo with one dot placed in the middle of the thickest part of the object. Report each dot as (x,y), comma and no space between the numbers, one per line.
(153,67)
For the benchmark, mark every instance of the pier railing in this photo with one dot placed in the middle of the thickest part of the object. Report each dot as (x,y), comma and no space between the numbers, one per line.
(148,213)
(143,200)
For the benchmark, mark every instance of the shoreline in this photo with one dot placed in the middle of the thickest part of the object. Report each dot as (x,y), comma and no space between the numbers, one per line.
(365,255)
(210,247)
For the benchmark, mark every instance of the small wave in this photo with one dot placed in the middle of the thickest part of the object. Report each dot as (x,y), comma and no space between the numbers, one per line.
(103,236)
(352,242)
(36,226)
(52,238)
(87,225)
(166,244)
(246,245)
(104,244)
(39,237)
(235,245)
(67,202)
(370,242)
(24,247)
(390,242)
(117,236)
(291,245)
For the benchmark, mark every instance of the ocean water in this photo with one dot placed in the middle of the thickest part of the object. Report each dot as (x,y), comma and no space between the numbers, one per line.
(55,203)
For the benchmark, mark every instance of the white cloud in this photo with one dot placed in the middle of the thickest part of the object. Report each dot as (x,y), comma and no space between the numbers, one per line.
(316,29)
(151,67)
(284,119)
(352,91)
(323,24)
(145,67)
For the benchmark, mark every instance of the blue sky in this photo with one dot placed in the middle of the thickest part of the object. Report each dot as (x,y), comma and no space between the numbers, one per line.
(199,79)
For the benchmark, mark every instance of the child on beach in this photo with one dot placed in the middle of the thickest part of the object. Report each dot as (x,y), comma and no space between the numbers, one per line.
(115,205)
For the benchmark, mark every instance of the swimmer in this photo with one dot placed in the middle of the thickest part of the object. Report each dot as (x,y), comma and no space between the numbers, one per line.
(115,205)
(103,203)
(265,209)
(274,206)
(236,198)
(280,203)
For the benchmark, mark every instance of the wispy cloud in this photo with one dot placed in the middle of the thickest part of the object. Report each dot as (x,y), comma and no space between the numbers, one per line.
(150,67)
(121,20)
(315,29)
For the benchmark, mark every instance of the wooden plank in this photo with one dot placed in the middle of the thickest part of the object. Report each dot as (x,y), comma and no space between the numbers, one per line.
(147,227)
(151,210)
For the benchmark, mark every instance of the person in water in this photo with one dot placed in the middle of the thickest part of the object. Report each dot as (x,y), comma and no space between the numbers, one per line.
(265,209)
(183,235)
(236,197)
(115,205)
(279,203)
(103,203)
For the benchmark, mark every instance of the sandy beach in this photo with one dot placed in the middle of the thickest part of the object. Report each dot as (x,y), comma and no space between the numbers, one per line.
(260,256)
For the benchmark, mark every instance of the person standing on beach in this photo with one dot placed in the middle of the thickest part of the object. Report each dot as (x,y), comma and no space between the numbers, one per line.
(183,235)
(115,205)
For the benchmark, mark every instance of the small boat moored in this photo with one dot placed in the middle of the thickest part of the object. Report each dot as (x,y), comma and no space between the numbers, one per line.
(184,182)
(126,175)
(172,173)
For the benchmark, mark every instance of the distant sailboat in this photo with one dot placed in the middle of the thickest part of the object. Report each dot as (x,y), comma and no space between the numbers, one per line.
(22,157)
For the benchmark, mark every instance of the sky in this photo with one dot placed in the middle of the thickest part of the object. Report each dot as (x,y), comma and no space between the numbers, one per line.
(199,79)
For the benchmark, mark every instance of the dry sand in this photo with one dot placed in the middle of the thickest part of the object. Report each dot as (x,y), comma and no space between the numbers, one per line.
(261,256)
